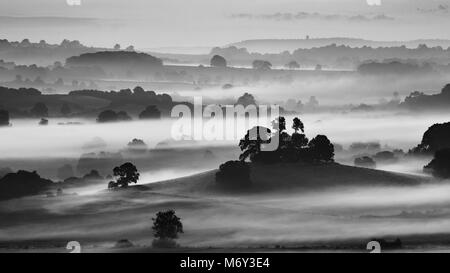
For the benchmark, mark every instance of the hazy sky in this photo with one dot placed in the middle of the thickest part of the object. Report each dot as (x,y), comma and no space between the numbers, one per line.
(157,23)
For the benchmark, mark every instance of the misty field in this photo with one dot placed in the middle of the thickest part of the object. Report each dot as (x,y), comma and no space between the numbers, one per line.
(305,208)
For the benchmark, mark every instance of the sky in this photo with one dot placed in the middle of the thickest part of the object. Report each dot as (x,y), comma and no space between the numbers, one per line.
(206,23)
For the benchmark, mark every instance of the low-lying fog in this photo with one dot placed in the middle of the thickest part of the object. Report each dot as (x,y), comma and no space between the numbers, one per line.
(227,221)
(26,144)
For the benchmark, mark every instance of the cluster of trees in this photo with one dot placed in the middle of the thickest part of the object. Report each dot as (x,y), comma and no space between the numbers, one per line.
(336,55)
(127,96)
(291,148)
(421,101)
(112,116)
(150,112)
(434,139)
(22,183)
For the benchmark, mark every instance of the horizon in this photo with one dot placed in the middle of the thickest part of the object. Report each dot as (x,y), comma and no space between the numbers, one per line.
(224,22)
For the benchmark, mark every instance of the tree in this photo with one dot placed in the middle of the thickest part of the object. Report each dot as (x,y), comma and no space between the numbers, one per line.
(261,65)
(218,61)
(116,47)
(440,165)
(246,100)
(39,110)
(138,91)
(298,125)
(4,118)
(434,139)
(65,109)
(137,145)
(107,116)
(292,65)
(126,173)
(166,227)
(252,142)
(318,67)
(111,116)
(321,149)
(234,174)
(150,112)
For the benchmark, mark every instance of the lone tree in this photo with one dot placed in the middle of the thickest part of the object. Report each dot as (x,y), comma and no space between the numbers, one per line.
(218,61)
(39,110)
(126,173)
(151,112)
(166,227)
(292,65)
(298,125)
(4,118)
(321,149)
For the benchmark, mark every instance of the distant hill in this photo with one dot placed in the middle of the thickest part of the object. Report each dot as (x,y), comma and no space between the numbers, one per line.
(280,45)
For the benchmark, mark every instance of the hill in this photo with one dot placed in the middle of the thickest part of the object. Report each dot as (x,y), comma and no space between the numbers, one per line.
(287,176)
(280,45)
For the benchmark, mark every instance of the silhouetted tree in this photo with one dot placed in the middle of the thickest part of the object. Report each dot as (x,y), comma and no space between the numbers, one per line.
(246,100)
(166,227)
(138,91)
(4,118)
(151,112)
(111,116)
(126,173)
(298,125)
(440,165)
(321,149)
(22,183)
(234,174)
(252,142)
(218,61)
(123,116)
(279,124)
(39,110)
(437,137)
(107,116)
(116,47)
